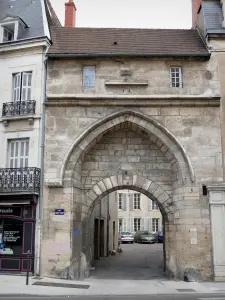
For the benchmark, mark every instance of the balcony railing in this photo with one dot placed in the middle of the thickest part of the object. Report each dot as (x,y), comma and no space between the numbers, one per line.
(19,108)
(20,180)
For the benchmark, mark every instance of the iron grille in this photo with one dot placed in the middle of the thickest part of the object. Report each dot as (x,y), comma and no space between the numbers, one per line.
(19,108)
(14,180)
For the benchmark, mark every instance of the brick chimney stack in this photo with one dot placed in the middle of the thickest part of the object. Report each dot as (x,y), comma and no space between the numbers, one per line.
(195,7)
(70,14)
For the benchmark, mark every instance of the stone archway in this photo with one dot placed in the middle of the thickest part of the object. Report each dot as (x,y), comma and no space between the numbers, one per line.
(92,170)
(130,149)
(140,122)
(127,182)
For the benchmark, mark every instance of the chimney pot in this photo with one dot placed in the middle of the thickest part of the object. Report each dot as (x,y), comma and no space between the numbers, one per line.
(195,7)
(70,14)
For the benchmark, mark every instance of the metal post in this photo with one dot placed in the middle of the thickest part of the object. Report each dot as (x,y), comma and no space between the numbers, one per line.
(28,267)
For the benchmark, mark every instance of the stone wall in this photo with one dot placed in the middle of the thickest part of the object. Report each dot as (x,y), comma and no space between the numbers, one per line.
(165,152)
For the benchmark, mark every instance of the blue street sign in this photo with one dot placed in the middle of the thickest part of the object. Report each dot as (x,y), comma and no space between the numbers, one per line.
(59,212)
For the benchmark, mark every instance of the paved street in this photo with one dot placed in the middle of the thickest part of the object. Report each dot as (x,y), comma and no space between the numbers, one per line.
(134,297)
(137,262)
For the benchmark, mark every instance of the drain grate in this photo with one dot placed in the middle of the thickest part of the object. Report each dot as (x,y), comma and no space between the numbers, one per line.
(64,285)
(186,290)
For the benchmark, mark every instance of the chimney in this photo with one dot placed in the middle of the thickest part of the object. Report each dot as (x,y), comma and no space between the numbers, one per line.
(70,14)
(195,7)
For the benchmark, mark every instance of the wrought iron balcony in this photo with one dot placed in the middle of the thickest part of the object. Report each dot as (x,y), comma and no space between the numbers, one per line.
(20,180)
(18,108)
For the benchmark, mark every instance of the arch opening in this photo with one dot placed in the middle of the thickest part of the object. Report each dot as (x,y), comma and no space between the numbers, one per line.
(139,234)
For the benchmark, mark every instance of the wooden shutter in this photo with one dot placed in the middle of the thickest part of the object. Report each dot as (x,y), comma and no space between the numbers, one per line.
(146,224)
(124,202)
(150,224)
(131,201)
(142,224)
(16,87)
(149,204)
(18,153)
(26,86)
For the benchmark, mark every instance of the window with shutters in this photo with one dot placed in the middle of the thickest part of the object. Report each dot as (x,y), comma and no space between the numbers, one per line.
(176,76)
(88,77)
(154,206)
(137,224)
(155,224)
(137,201)
(18,153)
(120,201)
(22,86)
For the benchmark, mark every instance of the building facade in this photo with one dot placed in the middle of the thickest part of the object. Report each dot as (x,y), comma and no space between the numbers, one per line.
(24,40)
(137,212)
(130,109)
(210,22)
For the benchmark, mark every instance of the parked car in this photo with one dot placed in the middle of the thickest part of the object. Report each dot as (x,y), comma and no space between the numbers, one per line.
(127,237)
(145,237)
(160,237)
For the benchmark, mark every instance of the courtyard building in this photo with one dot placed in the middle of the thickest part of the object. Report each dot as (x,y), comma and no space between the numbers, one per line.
(136,212)
(24,41)
(131,109)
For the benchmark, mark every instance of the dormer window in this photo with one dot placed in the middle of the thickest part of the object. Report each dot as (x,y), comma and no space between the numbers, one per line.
(11,27)
(7,35)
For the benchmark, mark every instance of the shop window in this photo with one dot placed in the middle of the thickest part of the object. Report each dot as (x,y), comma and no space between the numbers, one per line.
(12,237)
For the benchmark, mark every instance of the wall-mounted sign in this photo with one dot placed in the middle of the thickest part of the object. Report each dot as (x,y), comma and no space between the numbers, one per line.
(59,212)
(11,211)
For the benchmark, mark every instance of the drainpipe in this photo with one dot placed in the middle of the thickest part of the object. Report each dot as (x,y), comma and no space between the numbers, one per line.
(39,221)
(108,218)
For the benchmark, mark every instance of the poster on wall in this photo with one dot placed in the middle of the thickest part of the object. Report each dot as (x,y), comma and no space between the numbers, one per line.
(11,236)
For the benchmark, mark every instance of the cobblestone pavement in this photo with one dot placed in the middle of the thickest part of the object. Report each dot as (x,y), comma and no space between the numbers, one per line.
(137,262)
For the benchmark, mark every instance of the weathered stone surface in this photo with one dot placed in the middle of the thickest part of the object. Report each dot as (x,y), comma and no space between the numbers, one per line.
(167,152)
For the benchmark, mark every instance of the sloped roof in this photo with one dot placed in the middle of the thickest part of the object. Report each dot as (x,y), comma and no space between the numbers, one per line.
(134,42)
(213,16)
(29,11)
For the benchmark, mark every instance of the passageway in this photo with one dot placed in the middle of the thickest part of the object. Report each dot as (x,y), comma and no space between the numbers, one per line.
(137,262)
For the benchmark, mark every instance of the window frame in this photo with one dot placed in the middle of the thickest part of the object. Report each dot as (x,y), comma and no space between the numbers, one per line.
(180,78)
(137,201)
(155,225)
(137,227)
(19,88)
(85,69)
(16,160)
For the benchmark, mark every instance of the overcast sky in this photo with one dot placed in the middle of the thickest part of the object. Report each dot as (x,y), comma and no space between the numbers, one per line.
(129,13)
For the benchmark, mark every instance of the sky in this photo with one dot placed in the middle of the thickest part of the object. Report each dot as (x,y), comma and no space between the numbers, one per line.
(129,13)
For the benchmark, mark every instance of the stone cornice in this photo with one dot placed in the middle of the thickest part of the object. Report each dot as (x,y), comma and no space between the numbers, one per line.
(131,100)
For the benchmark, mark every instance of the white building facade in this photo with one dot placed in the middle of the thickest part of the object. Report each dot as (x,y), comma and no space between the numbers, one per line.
(137,212)
(24,41)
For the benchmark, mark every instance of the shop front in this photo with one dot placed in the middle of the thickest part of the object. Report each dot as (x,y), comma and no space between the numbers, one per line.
(17,236)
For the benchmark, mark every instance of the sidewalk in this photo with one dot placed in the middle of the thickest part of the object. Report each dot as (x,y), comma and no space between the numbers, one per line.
(10,285)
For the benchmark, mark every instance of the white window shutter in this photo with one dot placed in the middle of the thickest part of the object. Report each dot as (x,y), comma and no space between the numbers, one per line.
(146,224)
(124,202)
(131,201)
(142,224)
(149,224)
(16,87)
(149,204)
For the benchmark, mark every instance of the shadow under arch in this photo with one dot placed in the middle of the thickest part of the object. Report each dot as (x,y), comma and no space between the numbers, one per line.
(83,143)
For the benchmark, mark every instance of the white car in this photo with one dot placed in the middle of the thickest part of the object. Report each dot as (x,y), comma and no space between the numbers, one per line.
(126,237)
